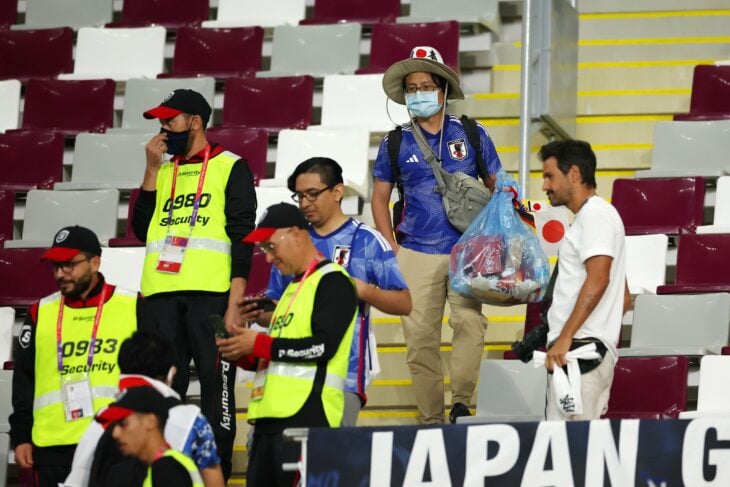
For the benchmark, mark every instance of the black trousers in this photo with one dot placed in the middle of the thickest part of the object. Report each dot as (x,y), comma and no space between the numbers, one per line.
(268,453)
(183,319)
(50,475)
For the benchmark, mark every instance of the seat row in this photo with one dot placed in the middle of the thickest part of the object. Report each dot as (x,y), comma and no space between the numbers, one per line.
(229,13)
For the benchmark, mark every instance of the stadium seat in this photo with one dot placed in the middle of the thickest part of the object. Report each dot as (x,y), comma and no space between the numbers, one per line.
(358,100)
(8,14)
(484,12)
(32,279)
(248,143)
(393,42)
(659,205)
(258,278)
(70,13)
(170,14)
(702,264)
(646,262)
(48,211)
(648,388)
(689,149)
(107,161)
(7,207)
(129,239)
(316,50)
(40,53)
(521,397)
(349,147)
(721,217)
(57,105)
(245,13)
(10,101)
(361,11)
(267,196)
(713,395)
(123,266)
(257,102)
(679,324)
(221,53)
(142,94)
(30,159)
(710,98)
(7,320)
(122,53)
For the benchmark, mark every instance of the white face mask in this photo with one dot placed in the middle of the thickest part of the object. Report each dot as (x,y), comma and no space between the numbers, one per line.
(423,104)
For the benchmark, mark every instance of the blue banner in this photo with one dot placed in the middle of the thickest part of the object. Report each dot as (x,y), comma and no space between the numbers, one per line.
(657,453)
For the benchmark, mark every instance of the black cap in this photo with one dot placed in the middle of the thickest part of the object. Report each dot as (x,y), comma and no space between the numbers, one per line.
(143,399)
(181,101)
(281,215)
(70,241)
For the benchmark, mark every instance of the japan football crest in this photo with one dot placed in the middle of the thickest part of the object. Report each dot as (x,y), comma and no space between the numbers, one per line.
(341,255)
(457,149)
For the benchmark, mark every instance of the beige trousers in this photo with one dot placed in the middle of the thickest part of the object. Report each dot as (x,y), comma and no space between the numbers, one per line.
(594,393)
(427,276)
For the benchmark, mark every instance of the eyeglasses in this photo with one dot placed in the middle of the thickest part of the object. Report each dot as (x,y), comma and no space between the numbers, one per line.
(411,89)
(269,247)
(67,267)
(310,195)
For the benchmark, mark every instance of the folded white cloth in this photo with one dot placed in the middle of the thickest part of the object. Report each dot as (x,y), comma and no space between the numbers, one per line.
(567,389)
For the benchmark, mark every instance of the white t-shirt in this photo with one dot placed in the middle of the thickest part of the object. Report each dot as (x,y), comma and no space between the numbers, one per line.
(597,230)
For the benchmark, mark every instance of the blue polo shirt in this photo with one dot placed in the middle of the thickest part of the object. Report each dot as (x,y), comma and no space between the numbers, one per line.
(425,226)
(366,255)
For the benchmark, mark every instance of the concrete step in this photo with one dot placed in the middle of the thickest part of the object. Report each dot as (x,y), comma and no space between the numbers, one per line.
(596,6)
(682,23)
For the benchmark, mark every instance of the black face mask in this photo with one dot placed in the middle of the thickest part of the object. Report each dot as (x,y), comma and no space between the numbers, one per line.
(177,142)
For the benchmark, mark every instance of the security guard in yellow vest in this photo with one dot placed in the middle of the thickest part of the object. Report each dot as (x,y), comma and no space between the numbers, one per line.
(138,420)
(301,363)
(66,356)
(193,212)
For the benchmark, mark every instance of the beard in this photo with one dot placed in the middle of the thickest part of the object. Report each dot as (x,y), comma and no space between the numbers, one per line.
(80,286)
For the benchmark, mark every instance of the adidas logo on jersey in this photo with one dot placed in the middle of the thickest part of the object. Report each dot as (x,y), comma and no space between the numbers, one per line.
(413,159)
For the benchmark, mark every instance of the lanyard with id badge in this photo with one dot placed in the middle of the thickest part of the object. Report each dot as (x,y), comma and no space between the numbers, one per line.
(173,249)
(263,366)
(76,390)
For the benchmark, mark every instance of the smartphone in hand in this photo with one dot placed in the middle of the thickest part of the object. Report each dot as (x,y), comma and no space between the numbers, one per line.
(219,327)
(264,304)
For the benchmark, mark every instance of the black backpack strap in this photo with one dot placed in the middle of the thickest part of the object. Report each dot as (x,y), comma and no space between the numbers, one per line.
(394,139)
(472,134)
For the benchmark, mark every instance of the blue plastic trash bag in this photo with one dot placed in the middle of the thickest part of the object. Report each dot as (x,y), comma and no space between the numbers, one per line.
(499,260)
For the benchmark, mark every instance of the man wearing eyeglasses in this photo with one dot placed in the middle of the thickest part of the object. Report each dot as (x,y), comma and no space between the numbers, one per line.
(66,356)
(424,83)
(318,188)
(301,362)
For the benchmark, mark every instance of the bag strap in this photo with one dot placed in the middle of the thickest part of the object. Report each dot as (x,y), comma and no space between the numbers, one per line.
(395,137)
(430,157)
(472,135)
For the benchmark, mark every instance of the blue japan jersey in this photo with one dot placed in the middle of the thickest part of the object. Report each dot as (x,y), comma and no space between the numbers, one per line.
(366,255)
(425,226)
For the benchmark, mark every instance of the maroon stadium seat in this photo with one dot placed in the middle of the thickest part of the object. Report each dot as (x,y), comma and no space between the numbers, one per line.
(393,42)
(7,206)
(69,107)
(702,264)
(8,14)
(221,53)
(27,278)
(648,388)
(30,159)
(129,239)
(269,103)
(532,320)
(362,11)
(659,205)
(246,142)
(710,94)
(258,278)
(40,53)
(170,14)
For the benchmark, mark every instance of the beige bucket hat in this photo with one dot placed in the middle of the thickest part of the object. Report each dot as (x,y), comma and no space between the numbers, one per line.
(422,59)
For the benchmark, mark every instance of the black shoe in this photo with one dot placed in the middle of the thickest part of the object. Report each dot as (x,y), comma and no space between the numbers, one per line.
(457,411)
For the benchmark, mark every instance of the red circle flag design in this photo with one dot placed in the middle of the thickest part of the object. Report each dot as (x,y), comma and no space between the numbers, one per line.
(553,231)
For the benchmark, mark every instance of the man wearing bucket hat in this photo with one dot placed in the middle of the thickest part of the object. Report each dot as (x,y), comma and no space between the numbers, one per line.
(193,211)
(424,84)
(66,356)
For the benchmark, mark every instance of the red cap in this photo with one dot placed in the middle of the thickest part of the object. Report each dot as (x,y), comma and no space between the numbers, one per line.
(281,215)
(70,241)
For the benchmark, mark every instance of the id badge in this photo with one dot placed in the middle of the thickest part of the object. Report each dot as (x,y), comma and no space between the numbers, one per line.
(260,380)
(171,255)
(77,400)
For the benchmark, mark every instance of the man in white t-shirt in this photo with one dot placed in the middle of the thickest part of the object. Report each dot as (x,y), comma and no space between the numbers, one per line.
(590,294)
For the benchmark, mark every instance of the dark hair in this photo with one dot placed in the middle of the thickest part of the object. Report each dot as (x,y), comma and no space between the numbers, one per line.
(146,353)
(329,172)
(438,80)
(569,153)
